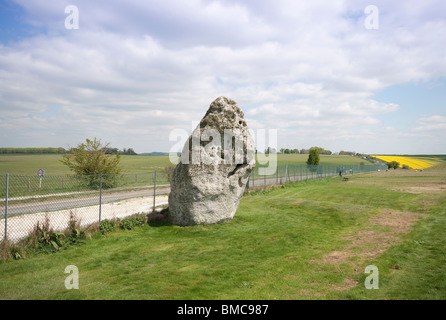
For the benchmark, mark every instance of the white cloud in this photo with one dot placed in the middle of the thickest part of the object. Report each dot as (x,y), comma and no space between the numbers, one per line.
(136,70)
(432,123)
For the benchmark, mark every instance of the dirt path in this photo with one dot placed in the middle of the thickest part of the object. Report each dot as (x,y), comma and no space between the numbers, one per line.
(372,242)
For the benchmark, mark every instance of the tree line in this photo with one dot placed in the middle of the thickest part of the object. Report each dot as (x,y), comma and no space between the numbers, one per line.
(107,150)
(304,151)
(308,151)
(128,151)
(33,151)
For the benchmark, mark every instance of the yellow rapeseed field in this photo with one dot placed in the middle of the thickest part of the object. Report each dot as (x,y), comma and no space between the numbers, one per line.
(411,162)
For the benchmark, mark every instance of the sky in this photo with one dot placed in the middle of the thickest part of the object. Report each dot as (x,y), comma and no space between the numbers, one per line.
(352,75)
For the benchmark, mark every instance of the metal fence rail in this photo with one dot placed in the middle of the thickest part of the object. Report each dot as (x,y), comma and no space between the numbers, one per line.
(28,201)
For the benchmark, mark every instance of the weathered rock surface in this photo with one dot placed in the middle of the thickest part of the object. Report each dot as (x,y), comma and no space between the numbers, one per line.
(215,164)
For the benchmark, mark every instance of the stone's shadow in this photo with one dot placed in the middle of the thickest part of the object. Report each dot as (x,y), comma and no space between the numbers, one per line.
(159,218)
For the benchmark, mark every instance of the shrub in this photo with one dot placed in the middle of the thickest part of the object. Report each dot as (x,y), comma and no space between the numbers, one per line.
(313,159)
(90,159)
(393,164)
(132,222)
(107,226)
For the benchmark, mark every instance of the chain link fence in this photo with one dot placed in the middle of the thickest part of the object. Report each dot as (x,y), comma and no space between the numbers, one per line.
(287,173)
(29,201)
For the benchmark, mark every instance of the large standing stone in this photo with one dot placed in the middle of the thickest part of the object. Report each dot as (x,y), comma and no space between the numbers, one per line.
(214,167)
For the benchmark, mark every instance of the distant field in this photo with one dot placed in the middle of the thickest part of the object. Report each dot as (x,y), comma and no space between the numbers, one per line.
(29,164)
(297,159)
(413,162)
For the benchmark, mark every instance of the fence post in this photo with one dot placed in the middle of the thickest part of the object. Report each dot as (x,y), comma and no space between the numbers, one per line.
(100,197)
(154,190)
(6,205)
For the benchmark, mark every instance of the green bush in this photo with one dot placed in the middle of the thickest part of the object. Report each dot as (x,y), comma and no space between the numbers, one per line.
(107,226)
(132,222)
(393,164)
(127,223)
(313,159)
(90,159)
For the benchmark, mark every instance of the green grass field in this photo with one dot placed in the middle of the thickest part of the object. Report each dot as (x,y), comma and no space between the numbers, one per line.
(29,164)
(307,240)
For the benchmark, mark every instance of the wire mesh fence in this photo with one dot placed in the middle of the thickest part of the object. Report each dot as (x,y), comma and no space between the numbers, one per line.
(287,173)
(29,201)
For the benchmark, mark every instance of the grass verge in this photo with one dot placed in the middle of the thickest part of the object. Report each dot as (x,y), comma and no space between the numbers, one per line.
(306,240)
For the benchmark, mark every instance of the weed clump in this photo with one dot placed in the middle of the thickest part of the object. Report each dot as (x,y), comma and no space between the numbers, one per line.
(44,239)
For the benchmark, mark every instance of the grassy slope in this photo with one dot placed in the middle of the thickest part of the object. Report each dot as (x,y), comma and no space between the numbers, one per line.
(274,248)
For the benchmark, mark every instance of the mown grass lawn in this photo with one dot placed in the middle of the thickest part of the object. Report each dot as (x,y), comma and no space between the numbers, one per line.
(307,240)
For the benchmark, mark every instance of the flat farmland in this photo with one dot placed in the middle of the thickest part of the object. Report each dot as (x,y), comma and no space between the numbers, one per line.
(413,162)
(29,164)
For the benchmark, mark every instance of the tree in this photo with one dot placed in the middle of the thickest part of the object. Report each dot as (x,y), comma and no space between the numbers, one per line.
(313,159)
(90,159)
(270,150)
(393,164)
(129,151)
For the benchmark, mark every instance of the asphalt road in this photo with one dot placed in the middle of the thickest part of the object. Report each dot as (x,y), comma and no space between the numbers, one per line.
(35,205)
